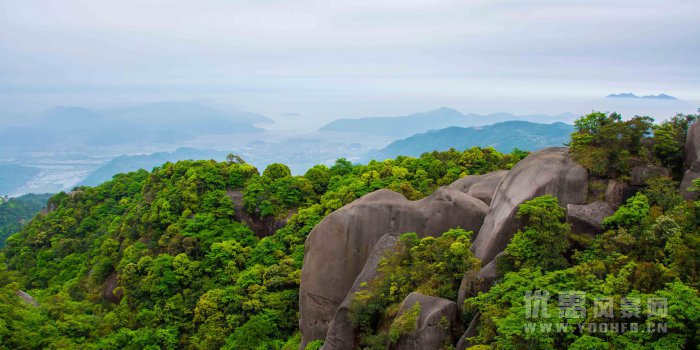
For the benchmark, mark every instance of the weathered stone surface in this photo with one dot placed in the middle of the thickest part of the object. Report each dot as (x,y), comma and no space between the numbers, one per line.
(617,193)
(341,333)
(549,171)
(691,152)
(262,227)
(26,298)
(432,332)
(480,186)
(641,174)
(687,182)
(338,247)
(471,332)
(691,160)
(110,290)
(588,218)
(473,283)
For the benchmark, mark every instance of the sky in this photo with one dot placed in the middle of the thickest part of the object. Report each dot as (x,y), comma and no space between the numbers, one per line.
(306,62)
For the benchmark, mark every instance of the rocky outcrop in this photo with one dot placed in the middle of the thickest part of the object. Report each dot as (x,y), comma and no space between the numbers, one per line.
(549,171)
(480,186)
(691,160)
(341,333)
(338,248)
(110,289)
(473,283)
(262,227)
(617,193)
(471,332)
(26,298)
(588,218)
(640,174)
(436,324)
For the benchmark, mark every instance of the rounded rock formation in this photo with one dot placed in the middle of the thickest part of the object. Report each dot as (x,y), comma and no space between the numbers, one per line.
(341,333)
(480,186)
(640,174)
(588,218)
(548,171)
(338,247)
(435,326)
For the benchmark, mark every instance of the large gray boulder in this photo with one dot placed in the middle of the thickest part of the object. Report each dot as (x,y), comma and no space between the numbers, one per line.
(588,218)
(480,186)
(338,247)
(640,174)
(548,171)
(341,333)
(691,160)
(435,327)
(617,193)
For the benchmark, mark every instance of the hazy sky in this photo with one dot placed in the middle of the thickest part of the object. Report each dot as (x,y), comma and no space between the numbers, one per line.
(327,59)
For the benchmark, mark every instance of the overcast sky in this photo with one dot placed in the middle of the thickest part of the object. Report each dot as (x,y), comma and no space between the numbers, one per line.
(346,58)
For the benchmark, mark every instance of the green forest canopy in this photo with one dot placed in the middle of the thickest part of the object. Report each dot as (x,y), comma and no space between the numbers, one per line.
(190,276)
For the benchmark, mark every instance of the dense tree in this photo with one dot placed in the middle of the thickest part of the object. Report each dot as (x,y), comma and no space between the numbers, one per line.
(187,272)
(161,260)
(18,211)
(669,139)
(544,239)
(606,145)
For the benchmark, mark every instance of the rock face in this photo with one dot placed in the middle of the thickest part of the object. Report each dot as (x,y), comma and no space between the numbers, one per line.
(482,281)
(338,247)
(110,291)
(437,321)
(617,193)
(341,333)
(262,227)
(549,171)
(26,298)
(691,160)
(480,186)
(471,331)
(641,174)
(588,218)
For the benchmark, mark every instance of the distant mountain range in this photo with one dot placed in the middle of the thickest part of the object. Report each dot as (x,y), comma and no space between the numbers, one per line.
(162,122)
(650,97)
(404,126)
(503,137)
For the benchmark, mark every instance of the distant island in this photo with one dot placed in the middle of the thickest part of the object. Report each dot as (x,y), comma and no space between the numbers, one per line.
(651,97)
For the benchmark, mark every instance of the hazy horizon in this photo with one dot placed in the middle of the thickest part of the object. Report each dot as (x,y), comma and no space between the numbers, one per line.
(305,63)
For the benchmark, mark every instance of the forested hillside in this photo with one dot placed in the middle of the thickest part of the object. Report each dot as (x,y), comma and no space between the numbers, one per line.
(206,254)
(164,260)
(18,211)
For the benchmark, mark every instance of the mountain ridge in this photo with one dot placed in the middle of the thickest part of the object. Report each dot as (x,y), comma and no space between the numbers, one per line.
(650,97)
(504,136)
(443,117)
